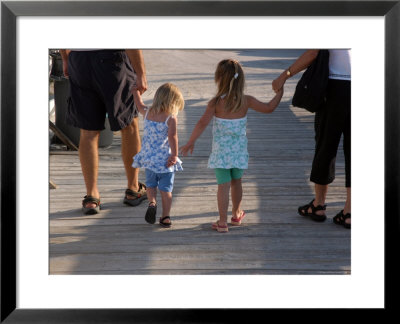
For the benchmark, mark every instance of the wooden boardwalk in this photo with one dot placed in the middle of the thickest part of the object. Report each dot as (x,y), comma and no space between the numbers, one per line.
(273,239)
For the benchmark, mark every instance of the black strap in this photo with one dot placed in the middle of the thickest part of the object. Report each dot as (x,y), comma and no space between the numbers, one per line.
(91,199)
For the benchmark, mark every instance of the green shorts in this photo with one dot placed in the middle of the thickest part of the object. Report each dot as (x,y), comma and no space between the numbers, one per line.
(226,175)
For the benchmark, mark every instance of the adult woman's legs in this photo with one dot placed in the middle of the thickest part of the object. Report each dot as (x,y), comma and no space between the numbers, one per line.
(320,197)
(347,206)
(331,123)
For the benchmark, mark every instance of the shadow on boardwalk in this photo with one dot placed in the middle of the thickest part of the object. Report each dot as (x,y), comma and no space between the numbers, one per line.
(273,239)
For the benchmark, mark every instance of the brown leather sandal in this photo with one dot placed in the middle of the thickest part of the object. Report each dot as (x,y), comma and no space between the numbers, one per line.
(90,210)
(139,195)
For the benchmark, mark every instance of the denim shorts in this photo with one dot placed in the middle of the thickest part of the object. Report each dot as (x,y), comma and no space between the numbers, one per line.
(164,181)
(226,175)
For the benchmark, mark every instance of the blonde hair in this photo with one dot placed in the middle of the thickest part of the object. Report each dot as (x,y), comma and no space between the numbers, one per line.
(169,99)
(229,78)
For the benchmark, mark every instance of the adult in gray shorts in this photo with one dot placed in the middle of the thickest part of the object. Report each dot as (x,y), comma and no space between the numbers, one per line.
(100,83)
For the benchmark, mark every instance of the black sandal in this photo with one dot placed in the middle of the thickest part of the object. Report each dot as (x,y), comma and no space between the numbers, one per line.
(163,223)
(303,211)
(139,195)
(151,212)
(340,219)
(90,210)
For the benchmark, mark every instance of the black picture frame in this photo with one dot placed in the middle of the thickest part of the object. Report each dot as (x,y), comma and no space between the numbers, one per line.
(10,10)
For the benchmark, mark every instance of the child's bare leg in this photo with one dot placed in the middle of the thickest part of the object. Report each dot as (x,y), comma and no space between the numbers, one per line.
(223,202)
(236,194)
(152,195)
(166,204)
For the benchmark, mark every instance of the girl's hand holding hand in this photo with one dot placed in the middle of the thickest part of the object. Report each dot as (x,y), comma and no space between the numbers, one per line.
(186,148)
(172,159)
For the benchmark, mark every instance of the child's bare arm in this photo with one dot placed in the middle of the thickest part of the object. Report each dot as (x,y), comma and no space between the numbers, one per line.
(139,102)
(198,129)
(266,108)
(173,141)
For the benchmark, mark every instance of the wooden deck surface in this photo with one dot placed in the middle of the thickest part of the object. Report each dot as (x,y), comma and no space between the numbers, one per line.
(273,239)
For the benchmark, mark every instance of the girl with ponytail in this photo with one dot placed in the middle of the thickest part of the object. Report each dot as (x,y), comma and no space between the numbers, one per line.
(229,156)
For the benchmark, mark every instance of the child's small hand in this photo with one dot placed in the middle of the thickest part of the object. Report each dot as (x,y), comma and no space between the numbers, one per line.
(186,148)
(172,159)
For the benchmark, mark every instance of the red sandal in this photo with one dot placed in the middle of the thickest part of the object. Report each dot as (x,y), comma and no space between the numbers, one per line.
(236,221)
(219,228)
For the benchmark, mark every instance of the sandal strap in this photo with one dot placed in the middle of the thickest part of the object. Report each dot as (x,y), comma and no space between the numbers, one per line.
(316,208)
(339,216)
(90,199)
(347,216)
(307,206)
(137,194)
(162,221)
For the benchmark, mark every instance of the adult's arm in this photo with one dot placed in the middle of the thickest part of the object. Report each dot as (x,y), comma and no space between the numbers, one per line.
(139,102)
(299,65)
(137,61)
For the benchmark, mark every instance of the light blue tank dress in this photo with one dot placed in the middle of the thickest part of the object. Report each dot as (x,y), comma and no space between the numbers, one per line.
(155,148)
(229,144)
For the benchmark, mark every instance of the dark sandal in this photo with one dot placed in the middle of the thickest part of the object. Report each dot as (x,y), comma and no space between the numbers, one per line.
(340,219)
(151,212)
(140,195)
(163,223)
(303,211)
(90,210)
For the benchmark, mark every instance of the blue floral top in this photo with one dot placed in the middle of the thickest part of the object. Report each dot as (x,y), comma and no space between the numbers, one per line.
(155,148)
(229,145)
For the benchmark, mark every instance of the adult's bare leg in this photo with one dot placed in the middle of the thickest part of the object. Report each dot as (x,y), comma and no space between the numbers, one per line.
(347,205)
(320,197)
(89,158)
(130,146)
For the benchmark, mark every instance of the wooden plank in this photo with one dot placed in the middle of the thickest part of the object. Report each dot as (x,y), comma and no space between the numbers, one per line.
(52,185)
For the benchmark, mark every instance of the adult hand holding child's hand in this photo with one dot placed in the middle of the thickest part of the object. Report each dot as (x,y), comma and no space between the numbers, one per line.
(278,83)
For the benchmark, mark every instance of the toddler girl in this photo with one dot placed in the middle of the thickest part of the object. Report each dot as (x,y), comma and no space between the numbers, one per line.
(159,153)
(229,155)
